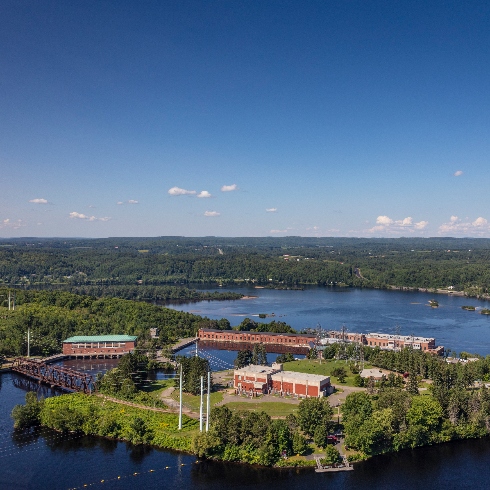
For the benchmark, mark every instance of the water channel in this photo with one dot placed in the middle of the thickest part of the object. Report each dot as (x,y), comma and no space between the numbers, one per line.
(44,459)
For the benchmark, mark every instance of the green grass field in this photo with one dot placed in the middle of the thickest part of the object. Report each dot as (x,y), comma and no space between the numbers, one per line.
(193,402)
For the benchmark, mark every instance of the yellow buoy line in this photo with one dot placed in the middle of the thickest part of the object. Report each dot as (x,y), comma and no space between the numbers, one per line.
(132,475)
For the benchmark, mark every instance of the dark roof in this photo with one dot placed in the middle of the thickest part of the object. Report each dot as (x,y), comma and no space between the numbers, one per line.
(255,333)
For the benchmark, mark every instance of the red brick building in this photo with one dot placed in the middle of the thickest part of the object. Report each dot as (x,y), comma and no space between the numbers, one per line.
(387,341)
(290,339)
(396,342)
(111,346)
(265,379)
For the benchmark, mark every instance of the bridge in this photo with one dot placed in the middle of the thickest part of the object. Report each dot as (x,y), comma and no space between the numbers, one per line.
(55,376)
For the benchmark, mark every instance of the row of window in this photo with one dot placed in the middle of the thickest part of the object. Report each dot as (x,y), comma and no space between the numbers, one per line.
(98,345)
(282,340)
(391,345)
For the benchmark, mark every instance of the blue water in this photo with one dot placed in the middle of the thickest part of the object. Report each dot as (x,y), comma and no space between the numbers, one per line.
(361,310)
(47,460)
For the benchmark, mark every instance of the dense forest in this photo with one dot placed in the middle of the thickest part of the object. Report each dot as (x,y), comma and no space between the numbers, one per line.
(149,262)
(52,316)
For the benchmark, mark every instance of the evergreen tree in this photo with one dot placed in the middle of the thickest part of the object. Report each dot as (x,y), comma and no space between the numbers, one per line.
(259,355)
(192,370)
(243,358)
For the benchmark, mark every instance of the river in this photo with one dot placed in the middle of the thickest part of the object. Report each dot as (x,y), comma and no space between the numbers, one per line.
(361,310)
(44,459)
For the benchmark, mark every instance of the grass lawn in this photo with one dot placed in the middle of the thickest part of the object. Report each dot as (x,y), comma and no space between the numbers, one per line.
(274,409)
(156,387)
(193,401)
(325,368)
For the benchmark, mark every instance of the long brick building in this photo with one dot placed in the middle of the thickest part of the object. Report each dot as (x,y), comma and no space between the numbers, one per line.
(387,341)
(290,339)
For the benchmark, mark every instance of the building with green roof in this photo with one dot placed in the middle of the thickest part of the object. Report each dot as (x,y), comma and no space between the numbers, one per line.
(99,346)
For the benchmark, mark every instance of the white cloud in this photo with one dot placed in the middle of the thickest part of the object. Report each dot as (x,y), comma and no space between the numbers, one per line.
(38,201)
(75,215)
(384,221)
(229,188)
(289,228)
(421,225)
(204,194)
(177,191)
(271,210)
(7,223)
(457,226)
(458,173)
(212,213)
(130,201)
(480,222)
(387,225)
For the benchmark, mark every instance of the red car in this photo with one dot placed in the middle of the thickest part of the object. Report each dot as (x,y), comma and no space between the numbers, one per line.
(332,439)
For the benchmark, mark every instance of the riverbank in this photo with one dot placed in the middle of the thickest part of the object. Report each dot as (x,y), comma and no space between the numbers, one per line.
(445,291)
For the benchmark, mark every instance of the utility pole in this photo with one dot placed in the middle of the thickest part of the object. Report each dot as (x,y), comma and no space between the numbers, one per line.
(180,399)
(208,401)
(201,404)
(28,342)
(9,300)
(361,352)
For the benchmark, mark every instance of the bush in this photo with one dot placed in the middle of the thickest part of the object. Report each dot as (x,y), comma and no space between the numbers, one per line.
(27,415)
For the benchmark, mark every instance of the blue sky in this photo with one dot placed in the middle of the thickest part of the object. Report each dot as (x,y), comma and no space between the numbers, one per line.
(244,118)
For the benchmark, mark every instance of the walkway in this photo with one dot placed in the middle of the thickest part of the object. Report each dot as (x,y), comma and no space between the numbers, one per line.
(173,406)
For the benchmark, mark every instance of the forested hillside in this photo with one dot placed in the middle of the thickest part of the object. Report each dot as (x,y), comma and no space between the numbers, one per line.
(52,316)
(292,261)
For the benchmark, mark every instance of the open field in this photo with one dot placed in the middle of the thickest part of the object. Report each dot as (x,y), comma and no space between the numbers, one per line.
(193,401)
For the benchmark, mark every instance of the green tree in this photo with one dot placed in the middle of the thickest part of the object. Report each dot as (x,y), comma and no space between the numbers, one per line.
(193,368)
(357,405)
(243,358)
(28,415)
(340,373)
(424,411)
(313,412)
(259,354)
(398,401)
(299,443)
(374,434)
(332,456)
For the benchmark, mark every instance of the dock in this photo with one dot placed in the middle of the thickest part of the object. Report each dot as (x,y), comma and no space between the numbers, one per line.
(344,466)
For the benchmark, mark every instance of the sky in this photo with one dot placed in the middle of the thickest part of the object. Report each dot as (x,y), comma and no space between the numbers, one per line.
(244,118)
